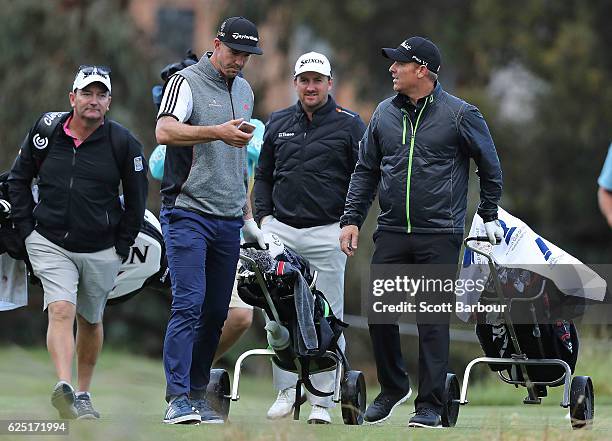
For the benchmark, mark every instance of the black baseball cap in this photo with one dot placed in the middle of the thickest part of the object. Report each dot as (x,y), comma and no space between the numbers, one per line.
(240,34)
(417,50)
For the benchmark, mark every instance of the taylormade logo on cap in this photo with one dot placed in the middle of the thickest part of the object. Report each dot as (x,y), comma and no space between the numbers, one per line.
(313,62)
(237,36)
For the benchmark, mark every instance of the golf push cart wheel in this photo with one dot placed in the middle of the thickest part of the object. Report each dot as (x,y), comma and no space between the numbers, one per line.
(450,409)
(218,392)
(353,397)
(582,402)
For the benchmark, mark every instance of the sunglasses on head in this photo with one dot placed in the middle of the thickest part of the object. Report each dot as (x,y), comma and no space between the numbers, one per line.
(87,70)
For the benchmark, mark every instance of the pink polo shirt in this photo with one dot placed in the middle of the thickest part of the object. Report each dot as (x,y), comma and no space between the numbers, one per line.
(77,142)
(67,131)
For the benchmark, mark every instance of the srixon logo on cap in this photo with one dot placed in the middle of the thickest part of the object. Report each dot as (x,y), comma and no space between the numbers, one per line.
(310,61)
(405,45)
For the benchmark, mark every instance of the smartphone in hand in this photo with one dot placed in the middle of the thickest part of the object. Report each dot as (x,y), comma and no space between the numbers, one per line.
(246,127)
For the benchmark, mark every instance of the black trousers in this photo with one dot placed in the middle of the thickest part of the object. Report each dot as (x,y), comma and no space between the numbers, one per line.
(403,248)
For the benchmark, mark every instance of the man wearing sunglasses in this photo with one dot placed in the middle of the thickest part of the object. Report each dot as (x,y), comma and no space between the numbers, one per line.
(204,207)
(76,233)
(416,151)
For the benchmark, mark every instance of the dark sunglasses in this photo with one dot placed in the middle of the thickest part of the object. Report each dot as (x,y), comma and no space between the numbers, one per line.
(87,70)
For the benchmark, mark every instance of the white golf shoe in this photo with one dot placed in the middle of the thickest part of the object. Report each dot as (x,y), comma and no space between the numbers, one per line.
(283,404)
(319,415)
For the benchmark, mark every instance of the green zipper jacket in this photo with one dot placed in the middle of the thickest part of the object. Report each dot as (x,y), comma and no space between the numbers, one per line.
(421,168)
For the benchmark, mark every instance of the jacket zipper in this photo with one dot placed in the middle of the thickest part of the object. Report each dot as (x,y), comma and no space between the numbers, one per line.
(303,154)
(74,152)
(231,101)
(413,130)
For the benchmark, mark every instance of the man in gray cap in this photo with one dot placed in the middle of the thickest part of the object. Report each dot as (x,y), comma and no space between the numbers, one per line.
(416,151)
(204,207)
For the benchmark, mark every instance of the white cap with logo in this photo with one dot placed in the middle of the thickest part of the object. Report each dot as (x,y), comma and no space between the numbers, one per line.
(92,74)
(313,62)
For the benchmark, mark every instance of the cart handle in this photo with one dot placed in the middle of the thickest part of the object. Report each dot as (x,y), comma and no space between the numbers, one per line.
(467,240)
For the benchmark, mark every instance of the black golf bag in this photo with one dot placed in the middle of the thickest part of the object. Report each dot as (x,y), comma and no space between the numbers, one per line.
(288,279)
(542,325)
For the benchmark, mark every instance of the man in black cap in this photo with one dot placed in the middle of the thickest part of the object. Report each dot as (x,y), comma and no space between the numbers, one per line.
(204,207)
(416,150)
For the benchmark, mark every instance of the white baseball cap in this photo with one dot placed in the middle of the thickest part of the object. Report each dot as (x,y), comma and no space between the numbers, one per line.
(92,74)
(313,62)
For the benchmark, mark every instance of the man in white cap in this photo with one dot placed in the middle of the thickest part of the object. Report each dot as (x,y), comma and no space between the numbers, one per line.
(308,155)
(76,233)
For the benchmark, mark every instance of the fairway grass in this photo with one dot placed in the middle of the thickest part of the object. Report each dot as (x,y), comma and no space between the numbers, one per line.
(128,391)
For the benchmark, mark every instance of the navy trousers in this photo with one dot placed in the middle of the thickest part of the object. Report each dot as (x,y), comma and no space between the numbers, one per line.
(202,256)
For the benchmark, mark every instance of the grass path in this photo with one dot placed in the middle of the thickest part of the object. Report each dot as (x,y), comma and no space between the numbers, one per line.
(128,391)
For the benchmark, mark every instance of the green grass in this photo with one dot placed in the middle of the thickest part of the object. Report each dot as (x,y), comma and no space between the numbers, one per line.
(129,390)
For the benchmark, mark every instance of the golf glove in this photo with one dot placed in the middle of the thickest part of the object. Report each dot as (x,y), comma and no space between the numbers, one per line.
(252,233)
(266,219)
(495,232)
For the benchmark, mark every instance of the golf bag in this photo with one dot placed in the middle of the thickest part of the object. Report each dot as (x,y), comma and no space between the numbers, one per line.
(543,337)
(145,266)
(298,305)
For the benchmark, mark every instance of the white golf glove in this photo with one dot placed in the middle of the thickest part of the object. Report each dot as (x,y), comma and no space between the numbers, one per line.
(494,231)
(266,219)
(252,233)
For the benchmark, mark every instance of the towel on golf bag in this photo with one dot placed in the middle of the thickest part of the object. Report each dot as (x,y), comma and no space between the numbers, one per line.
(13,269)
(304,307)
(522,248)
(13,283)
(547,303)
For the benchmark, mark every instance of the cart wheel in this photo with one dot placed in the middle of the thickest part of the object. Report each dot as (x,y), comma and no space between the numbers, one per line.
(353,398)
(582,402)
(218,392)
(450,411)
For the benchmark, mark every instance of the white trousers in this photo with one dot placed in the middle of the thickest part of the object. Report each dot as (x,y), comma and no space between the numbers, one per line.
(321,247)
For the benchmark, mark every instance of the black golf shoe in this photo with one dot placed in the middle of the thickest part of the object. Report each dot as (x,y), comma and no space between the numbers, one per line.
(425,417)
(383,405)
